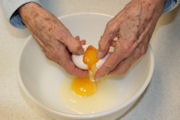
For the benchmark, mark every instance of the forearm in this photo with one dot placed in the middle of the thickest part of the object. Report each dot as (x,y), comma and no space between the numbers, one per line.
(152,5)
(152,8)
(47,29)
(39,21)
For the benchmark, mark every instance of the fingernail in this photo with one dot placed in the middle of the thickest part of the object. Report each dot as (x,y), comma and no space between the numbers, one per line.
(99,55)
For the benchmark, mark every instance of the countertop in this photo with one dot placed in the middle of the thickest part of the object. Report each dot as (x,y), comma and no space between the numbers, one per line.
(161,100)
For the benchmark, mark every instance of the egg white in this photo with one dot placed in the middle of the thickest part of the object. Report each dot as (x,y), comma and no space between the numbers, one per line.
(103,99)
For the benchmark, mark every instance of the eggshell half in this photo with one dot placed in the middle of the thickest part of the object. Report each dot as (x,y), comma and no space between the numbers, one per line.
(78,59)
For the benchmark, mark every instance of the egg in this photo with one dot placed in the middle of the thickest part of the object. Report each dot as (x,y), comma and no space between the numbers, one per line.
(89,61)
(85,95)
(78,60)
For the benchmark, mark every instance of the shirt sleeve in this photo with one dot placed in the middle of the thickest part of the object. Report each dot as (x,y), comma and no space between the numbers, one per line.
(170,5)
(11,11)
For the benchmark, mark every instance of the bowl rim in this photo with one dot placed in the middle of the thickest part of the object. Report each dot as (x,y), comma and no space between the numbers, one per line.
(91,115)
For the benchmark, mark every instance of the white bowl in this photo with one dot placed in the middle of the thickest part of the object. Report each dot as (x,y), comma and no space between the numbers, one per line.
(40,80)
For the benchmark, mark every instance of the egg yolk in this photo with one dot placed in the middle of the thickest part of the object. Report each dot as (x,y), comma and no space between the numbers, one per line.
(87,86)
(90,58)
(83,86)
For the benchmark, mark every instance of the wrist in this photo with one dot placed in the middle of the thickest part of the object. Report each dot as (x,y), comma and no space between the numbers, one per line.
(154,2)
(28,10)
(150,2)
(154,5)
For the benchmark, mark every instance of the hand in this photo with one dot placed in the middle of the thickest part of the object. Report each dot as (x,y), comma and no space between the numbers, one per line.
(133,28)
(54,38)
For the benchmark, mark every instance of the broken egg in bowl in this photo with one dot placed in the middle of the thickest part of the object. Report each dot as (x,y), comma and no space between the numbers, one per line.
(49,87)
(87,61)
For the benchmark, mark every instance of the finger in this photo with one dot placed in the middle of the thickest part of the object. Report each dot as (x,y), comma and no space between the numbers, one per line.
(140,50)
(77,37)
(113,44)
(70,67)
(41,44)
(83,42)
(73,70)
(65,61)
(74,45)
(108,66)
(125,65)
(131,55)
(61,56)
(123,49)
(109,34)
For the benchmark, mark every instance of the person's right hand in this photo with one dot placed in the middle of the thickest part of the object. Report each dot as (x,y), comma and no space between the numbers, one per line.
(54,38)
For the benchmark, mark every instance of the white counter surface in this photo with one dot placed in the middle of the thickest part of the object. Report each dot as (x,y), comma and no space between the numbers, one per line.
(161,101)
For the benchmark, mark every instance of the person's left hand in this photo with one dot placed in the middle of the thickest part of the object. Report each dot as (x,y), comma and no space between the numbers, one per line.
(133,28)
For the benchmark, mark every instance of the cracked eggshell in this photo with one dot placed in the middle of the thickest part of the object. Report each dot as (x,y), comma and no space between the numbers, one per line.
(101,61)
(78,60)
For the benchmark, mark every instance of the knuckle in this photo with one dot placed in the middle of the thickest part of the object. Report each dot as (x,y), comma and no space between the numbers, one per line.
(49,56)
(126,48)
(112,25)
(76,46)
(102,46)
(69,71)
(144,50)
(69,68)
(124,69)
(108,67)
(108,25)
(57,55)
(52,57)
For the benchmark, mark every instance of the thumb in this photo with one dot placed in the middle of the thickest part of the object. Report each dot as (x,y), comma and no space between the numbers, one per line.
(106,39)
